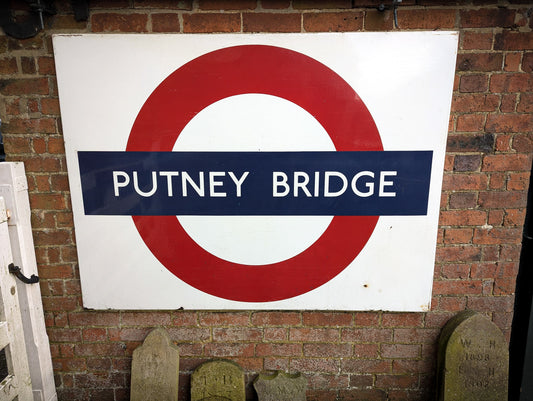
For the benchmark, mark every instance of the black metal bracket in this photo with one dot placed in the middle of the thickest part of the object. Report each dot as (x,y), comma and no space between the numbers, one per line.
(16,271)
(30,28)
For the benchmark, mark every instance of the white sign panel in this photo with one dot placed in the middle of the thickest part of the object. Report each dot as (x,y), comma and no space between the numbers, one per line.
(268,171)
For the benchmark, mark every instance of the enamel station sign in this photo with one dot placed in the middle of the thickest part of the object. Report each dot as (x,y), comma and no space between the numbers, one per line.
(256,171)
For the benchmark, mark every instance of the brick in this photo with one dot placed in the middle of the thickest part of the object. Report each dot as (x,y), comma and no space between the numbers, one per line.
(314,335)
(477,40)
(47,201)
(56,272)
(491,304)
(401,319)
(264,22)
(470,123)
(315,365)
(472,83)
(370,351)
(333,22)
(504,199)
(366,335)
(237,334)
(8,66)
(458,236)
(178,5)
(506,162)
(454,304)
(463,200)
(229,350)
(509,122)
(523,143)
(24,86)
(328,350)
(166,22)
(28,65)
(470,143)
(464,182)
(94,319)
(227,4)
(512,62)
(30,126)
(497,235)
(495,217)
(454,270)
(518,181)
(458,254)
(525,104)
(320,4)
(514,217)
(64,335)
(479,62)
(328,381)
(476,102)
(291,350)
(50,106)
(327,319)
(145,318)
(508,103)
(366,319)
(508,40)
(457,287)
(224,319)
(193,334)
(527,62)
(487,18)
(396,381)
(276,318)
(463,218)
(511,82)
(207,23)
(60,303)
(114,22)
(365,366)
(467,162)
(94,334)
(424,19)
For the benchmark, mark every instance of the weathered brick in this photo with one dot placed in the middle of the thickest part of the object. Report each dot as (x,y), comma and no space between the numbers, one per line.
(166,22)
(509,122)
(114,22)
(477,40)
(24,86)
(227,4)
(423,19)
(506,162)
(472,83)
(509,40)
(470,143)
(479,62)
(209,22)
(487,18)
(265,22)
(333,22)
(327,319)
(321,4)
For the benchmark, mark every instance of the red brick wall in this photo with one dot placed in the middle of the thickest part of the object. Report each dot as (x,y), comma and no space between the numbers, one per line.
(344,355)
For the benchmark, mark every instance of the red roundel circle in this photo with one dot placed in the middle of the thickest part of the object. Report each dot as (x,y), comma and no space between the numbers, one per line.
(265,70)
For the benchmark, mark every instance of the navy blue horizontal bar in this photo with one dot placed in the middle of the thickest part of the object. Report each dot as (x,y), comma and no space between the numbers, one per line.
(256,183)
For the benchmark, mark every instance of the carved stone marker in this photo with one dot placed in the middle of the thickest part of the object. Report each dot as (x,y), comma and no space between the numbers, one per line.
(155,369)
(218,380)
(473,360)
(280,386)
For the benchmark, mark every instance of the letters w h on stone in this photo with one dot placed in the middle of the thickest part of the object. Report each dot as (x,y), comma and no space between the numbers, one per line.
(155,369)
(473,360)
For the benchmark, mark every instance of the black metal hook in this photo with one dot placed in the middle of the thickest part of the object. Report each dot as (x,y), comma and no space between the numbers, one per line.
(16,271)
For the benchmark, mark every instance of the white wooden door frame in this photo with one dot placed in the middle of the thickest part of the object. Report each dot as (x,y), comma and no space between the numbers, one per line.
(14,189)
(18,383)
